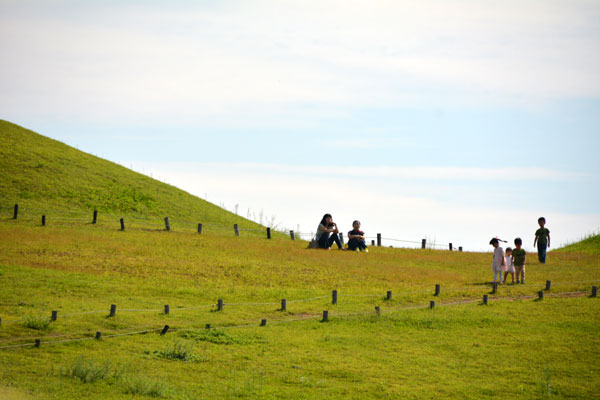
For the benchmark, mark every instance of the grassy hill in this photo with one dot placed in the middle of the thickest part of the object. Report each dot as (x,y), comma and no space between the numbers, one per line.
(46,176)
(590,245)
(517,346)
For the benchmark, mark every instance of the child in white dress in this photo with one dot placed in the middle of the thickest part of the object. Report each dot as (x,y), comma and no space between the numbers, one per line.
(510,267)
(498,262)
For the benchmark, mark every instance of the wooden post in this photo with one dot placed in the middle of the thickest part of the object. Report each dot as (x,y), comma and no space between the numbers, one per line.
(485,299)
(263,322)
(494,287)
(219,305)
(0,321)
(167,224)
(334,297)
(122,224)
(95,217)
(207,326)
(459,248)
(548,283)
(372,243)
(283,304)
(431,304)
(164,330)
(437,289)
(16,213)
(450,246)
(98,335)
(43,220)
(325,316)
(292,235)
(341,235)
(268,233)
(388,295)
(113,310)
(167,309)
(54,316)
(594,291)
(377,310)
(38,342)
(379,240)
(423,243)
(199,228)
(541,294)
(236,229)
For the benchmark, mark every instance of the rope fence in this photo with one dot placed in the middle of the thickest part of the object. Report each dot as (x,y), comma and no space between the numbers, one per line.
(166,225)
(334,300)
(325,318)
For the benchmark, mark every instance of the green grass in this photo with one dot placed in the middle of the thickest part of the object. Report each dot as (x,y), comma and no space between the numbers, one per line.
(589,245)
(515,347)
(45,176)
(37,323)
(531,348)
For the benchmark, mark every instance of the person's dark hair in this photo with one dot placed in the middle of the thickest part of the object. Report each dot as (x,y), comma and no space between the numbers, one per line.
(542,219)
(508,249)
(518,241)
(494,240)
(323,220)
(355,222)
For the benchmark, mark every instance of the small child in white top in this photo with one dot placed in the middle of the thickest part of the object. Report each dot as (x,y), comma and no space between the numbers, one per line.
(510,267)
(498,262)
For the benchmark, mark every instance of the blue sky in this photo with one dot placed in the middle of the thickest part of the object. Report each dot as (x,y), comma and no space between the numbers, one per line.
(455,121)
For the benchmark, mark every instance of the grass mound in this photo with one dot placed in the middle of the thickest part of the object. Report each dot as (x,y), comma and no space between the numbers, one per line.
(590,245)
(43,175)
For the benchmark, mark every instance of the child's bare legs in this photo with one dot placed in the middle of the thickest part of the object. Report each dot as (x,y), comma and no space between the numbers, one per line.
(513,278)
(505,275)
(522,274)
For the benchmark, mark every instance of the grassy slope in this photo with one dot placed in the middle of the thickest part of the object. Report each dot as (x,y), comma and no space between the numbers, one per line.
(590,245)
(522,349)
(46,176)
(463,351)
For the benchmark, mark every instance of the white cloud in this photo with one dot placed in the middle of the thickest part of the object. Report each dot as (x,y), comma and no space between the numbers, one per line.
(198,62)
(298,197)
(443,173)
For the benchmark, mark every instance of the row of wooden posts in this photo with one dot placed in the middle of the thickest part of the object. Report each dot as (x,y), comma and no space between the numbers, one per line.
(235,229)
(325,315)
(334,300)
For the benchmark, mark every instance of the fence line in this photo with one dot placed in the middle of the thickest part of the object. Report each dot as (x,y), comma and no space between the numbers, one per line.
(333,295)
(158,223)
(38,342)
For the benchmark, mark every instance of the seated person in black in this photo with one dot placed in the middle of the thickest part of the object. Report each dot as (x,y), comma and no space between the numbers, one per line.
(356,238)
(327,227)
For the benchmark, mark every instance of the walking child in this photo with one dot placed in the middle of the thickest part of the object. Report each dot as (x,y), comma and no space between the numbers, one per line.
(518,258)
(542,238)
(498,262)
(510,267)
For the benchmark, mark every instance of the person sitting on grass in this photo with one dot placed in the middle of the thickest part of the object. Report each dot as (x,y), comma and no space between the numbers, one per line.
(356,238)
(327,233)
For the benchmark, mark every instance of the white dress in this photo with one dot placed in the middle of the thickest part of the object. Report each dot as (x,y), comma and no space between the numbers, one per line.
(498,258)
(510,267)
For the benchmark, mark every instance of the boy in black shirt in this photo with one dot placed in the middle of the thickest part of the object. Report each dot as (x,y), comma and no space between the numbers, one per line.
(356,238)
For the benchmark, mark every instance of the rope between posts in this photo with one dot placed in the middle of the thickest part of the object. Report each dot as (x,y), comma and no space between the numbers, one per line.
(156,223)
(308,317)
(425,291)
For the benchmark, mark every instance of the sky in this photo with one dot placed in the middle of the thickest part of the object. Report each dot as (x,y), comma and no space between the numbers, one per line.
(454,121)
